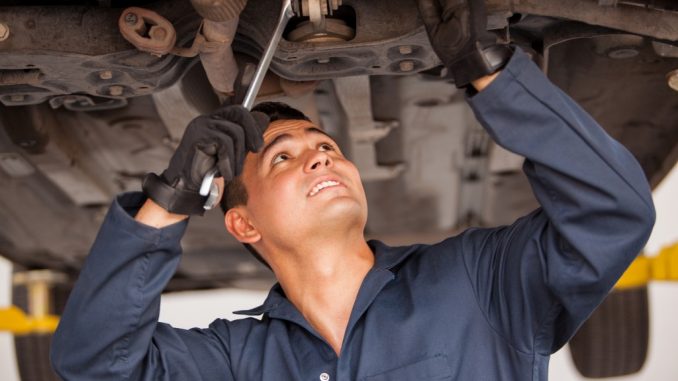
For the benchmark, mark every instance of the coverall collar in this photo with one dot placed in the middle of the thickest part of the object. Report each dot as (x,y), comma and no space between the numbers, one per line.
(385,258)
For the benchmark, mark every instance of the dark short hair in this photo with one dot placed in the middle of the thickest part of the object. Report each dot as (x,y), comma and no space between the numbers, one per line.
(235,193)
(280,111)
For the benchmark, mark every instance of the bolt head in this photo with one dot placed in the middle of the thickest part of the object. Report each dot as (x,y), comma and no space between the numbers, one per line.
(131,18)
(157,33)
(17,98)
(115,90)
(4,31)
(672,79)
(405,49)
(323,60)
(406,65)
(106,74)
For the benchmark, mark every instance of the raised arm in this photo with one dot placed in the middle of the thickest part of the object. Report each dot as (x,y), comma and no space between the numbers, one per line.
(109,329)
(540,278)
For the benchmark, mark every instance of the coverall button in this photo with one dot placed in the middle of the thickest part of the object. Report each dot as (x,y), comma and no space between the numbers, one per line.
(324,377)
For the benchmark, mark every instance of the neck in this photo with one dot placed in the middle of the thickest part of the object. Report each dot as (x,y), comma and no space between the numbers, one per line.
(321,278)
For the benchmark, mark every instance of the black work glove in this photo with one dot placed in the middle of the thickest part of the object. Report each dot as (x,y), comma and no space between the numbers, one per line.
(219,140)
(458,33)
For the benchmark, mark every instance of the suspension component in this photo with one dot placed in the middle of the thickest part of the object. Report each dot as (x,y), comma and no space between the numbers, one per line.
(316,10)
(134,24)
(161,37)
(320,28)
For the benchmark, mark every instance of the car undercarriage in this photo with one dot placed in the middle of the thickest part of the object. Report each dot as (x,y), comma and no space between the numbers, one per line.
(95,94)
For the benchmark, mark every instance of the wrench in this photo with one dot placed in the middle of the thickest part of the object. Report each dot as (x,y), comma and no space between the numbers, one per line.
(208,186)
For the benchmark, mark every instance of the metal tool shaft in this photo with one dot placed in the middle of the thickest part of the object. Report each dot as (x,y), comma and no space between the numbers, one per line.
(286,13)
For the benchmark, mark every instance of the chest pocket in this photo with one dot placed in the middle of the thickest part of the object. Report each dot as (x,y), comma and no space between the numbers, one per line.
(434,368)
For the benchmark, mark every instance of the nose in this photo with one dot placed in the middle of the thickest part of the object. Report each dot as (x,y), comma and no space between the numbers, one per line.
(317,160)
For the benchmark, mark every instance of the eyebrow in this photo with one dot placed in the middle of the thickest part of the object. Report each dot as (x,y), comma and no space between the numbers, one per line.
(284,137)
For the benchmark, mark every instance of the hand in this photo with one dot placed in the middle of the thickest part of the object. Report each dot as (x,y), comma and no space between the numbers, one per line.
(458,33)
(222,140)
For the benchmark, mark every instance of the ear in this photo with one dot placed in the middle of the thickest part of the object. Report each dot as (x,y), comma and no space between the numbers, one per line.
(239,225)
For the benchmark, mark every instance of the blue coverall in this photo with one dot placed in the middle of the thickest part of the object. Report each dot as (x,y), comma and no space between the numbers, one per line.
(488,304)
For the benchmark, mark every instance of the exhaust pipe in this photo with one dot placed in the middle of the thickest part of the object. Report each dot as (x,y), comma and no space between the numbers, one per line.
(219,27)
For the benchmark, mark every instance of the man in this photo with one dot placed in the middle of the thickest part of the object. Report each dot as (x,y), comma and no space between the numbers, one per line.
(488,304)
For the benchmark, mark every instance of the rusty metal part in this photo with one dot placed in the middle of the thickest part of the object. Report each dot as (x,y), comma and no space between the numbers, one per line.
(219,63)
(317,10)
(311,8)
(672,79)
(116,90)
(158,40)
(214,42)
(219,10)
(20,77)
(664,25)
(406,65)
(335,31)
(199,45)
(4,31)
(71,64)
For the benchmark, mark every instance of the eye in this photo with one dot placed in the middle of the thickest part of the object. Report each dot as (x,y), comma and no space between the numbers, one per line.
(280,157)
(326,147)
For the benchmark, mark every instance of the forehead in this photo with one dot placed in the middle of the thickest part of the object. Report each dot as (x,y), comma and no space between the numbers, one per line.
(292,128)
(288,126)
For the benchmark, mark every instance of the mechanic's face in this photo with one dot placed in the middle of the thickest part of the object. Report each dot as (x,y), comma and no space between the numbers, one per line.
(300,183)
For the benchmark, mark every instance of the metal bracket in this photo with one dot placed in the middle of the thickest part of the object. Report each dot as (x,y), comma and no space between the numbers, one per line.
(355,97)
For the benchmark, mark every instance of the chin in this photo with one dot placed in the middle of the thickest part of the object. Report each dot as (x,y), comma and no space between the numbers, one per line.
(346,211)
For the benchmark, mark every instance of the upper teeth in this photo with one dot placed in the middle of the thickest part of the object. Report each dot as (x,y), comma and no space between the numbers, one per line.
(322,186)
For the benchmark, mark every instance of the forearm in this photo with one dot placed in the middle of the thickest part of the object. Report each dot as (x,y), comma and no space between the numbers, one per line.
(154,215)
(481,83)
(110,318)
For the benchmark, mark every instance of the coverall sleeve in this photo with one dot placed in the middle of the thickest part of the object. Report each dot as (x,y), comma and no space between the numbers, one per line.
(538,279)
(109,329)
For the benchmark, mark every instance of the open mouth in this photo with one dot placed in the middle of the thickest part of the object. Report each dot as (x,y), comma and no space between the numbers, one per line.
(323,185)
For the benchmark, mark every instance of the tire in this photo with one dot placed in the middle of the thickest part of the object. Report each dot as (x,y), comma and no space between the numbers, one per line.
(613,342)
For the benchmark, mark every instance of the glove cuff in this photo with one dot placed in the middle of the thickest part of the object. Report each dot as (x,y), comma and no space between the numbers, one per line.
(174,200)
(479,62)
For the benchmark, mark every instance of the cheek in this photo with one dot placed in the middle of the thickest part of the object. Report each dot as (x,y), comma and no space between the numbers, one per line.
(355,176)
(276,195)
